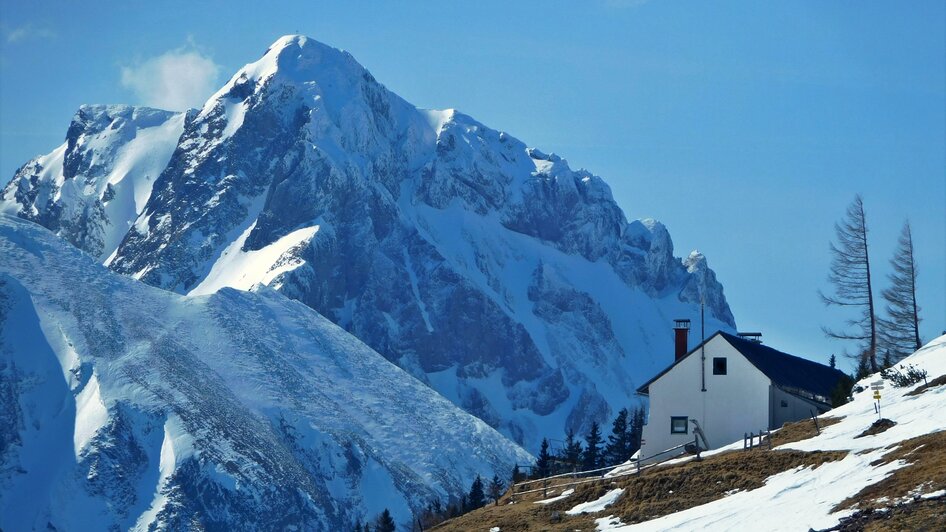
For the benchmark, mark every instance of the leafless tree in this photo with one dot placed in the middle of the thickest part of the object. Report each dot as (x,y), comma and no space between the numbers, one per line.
(900,330)
(850,275)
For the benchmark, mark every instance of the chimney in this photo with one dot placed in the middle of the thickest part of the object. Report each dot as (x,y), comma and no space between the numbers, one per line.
(681,329)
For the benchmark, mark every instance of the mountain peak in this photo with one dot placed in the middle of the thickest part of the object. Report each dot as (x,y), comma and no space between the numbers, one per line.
(301,58)
(294,60)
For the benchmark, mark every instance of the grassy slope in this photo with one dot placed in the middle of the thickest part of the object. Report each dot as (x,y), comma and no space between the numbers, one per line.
(893,502)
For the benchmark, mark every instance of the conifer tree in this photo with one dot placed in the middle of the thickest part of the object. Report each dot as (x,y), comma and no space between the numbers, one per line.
(850,275)
(900,330)
(886,361)
(385,522)
(841,391)
(543,463)
(863,368)
(592,454)
(832,361)
(477,497)
(495,489)
(637,429)
(516,474)
(571,453)
(618,449)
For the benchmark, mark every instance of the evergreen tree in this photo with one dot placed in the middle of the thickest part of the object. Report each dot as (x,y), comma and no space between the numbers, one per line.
(477,498)
(618,449)
(571,453)
(900,330)
(832,361)
(637,429)
(455,509)
(592,455)
(358,525)
(887,361)
(544,462)
(495,489)
(841,391)
(516,474)
(367,527)
(863,368)
(385,522)
(850,275)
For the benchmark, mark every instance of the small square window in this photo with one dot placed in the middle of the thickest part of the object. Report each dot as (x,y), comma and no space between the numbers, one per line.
(719,365)
(678,424)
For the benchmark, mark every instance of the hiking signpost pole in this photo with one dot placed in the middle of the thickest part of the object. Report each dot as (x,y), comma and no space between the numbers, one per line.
(876,386)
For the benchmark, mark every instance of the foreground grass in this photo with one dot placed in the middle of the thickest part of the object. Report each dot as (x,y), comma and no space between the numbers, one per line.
(890,504)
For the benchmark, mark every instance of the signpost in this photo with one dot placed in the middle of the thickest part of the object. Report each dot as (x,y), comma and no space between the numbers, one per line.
(876,386)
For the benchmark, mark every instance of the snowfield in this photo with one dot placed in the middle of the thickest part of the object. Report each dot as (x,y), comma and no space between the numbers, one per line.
(125,406)
(803,498)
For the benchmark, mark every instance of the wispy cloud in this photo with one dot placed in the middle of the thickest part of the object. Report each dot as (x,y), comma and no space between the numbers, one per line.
(175,80)
(29,32)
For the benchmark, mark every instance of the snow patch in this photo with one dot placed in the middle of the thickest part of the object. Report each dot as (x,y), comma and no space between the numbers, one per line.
(175,446)
(420,302)
(91,415)
(241,269)
(597,505)
(563,495)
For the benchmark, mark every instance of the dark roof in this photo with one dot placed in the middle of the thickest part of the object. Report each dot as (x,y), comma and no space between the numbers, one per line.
(786,371)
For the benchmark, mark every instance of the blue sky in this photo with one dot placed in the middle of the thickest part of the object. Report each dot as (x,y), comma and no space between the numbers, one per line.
(745,128)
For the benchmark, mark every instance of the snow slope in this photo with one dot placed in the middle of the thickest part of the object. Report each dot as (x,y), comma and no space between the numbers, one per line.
(803,498)
(92,188)
(125,406)
(511,283)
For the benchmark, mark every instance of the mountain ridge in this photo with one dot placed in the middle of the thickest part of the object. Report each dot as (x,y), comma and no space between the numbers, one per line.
(128,406)
(492,271)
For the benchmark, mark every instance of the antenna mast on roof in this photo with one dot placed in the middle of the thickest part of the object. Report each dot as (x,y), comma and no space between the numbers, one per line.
(702,343)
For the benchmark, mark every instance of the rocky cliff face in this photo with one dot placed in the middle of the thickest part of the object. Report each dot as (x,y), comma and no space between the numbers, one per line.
(128,407)
(507,281)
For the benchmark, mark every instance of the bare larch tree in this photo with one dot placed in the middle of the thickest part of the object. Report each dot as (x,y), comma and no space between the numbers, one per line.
(900,330)
(850,275)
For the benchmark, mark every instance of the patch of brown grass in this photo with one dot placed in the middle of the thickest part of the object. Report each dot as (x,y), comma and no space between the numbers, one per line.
(801,430)
(877,427)
(676,488)
(927,471)
(656,492)
(938,381)
(920,515)
(524,515)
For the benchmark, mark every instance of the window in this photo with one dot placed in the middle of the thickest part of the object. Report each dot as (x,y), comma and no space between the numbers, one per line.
(678,424)
(719,365)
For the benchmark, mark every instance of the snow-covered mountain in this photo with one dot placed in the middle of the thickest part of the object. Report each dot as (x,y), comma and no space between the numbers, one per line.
(507,281)
(125,406)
